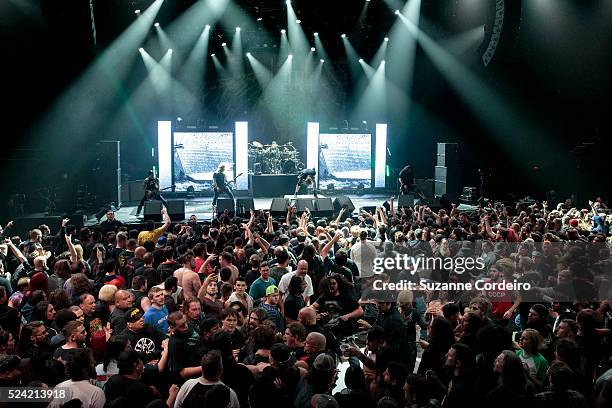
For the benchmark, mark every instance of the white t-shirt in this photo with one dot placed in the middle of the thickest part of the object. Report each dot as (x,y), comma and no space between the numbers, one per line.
(188,386)
(89,395)
(283,285)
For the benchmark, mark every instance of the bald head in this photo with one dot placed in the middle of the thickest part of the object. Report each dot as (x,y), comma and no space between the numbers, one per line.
(302,268)
(307,316)
(140,252)
(123,299)
(315,343)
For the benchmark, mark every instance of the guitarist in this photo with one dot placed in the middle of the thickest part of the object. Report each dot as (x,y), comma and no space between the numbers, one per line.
(221,185)
(406,180)
(151,187)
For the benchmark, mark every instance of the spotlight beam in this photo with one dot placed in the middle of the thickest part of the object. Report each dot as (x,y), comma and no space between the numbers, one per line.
(495,114)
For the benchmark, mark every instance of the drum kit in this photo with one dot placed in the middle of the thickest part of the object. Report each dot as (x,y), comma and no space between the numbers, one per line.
(274,158)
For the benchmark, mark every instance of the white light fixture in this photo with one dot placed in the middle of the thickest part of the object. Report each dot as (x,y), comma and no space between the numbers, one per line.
(397,12)
(238,29)
(223,44)
(169,50)
(343,35)
(386,39)
(137,11)
(313,49)
(360,60)
(322,60)
(141,49)
(156,24)
(212,55)
(316,34)
(248,54)
(207,26)
(283,31)
(298,21)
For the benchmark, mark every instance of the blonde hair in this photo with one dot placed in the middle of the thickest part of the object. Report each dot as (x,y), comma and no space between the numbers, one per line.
(107,293)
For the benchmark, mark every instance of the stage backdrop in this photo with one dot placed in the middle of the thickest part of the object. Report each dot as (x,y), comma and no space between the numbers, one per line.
(345,160)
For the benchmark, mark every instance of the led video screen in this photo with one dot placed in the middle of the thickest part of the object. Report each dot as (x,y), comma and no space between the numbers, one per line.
(197,156)
(345,160)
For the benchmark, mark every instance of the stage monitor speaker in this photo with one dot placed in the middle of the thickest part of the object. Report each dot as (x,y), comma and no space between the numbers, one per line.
(23,225)
(279,206)
(176,210)
(225,204)
(324,207)
(302,203)
(152,210)
(425,186)
(77,219)
(245,205)
(344,202)
(405,200)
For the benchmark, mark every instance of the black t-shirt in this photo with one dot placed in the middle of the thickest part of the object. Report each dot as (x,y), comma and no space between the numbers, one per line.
(181,349)
(147,341)
(219,179)
(136,394)
(342,304)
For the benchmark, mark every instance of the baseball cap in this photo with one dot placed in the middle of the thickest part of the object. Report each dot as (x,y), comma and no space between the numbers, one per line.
(161,241)
(324,362)
(271,290)
(133,315)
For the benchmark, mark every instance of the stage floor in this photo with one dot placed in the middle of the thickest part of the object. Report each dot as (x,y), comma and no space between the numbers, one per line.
(202,207)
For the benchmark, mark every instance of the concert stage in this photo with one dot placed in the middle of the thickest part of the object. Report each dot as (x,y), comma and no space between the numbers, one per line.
(202,207)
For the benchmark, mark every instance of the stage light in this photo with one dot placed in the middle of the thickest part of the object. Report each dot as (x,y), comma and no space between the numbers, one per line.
(169,50)
(288,2)
(397,12)
(207,26)
(237,29)
(313,49)
(156,24)
(383,62)
(343,35)
(386,39)
(316,34)
(141,49)
(223,44)
(322,60)
(212,55)
(290,56)
(259,19)
(283,31)
(298,21)
(360,60)
(248,54)
(137,11)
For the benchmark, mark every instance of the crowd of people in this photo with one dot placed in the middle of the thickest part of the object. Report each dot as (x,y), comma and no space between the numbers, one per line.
(263,312)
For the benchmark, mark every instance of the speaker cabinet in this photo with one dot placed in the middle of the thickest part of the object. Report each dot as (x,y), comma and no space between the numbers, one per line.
(225,204)
(244,205)
(302,203)
(279,206)
(176,210)
(152,210)
(405,200)
(344,202)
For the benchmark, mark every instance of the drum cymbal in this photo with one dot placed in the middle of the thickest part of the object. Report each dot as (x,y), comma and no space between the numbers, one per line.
(256,144)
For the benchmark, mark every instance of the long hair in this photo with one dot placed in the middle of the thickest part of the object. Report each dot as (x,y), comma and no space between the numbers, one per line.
(513,374)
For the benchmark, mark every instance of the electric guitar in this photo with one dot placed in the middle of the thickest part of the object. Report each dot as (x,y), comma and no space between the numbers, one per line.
(221,189)
(152,193)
